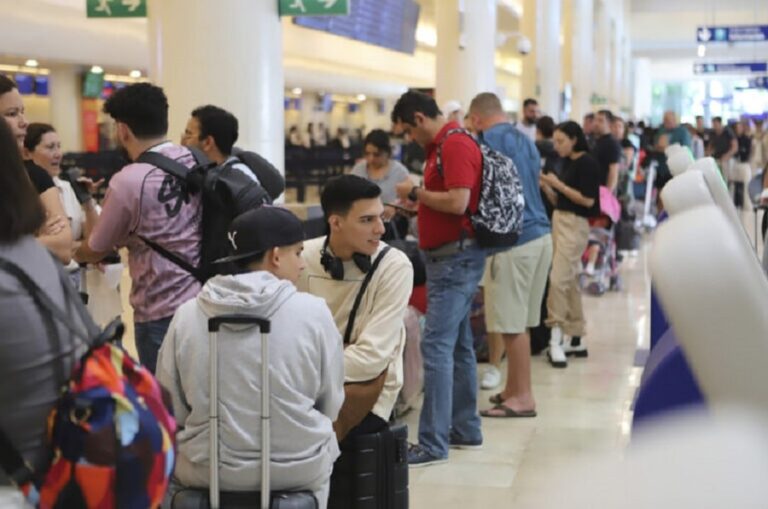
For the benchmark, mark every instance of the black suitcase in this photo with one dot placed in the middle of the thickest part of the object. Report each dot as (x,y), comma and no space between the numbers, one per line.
(194,498)
(372,471)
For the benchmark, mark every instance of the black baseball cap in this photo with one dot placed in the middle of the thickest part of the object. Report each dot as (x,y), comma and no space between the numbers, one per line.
(259,230)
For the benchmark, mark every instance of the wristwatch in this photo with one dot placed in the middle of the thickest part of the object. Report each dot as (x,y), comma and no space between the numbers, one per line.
(412,195)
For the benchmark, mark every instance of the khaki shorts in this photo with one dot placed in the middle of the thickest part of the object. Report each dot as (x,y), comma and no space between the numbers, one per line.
(514,283)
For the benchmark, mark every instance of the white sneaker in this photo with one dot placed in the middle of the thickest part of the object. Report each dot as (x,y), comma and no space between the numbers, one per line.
(579,349)
(491,378)
(555,353)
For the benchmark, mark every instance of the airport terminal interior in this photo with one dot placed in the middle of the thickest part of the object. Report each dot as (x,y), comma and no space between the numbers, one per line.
(611,354)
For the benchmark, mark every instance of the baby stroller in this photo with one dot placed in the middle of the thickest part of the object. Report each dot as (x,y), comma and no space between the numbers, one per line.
(603,273)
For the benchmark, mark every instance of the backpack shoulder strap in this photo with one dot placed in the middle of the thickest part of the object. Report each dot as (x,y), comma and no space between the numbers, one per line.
(440,146)
(182,172)
(360,293)
(165,163)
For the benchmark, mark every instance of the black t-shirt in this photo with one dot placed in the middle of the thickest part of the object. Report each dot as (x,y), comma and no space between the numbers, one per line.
(607,151)
(721,143)
(745,148)
(39,177)
(582,174)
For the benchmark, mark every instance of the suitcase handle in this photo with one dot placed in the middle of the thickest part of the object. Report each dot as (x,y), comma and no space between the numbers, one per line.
(215,323)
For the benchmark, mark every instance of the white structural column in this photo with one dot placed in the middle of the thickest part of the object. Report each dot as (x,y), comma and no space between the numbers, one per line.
(602,50)
(548,56)
(582,57)
(66,116)
(643,89)
(466,47)
(227,53)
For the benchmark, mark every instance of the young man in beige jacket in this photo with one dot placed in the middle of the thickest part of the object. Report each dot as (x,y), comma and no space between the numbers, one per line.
(337,264)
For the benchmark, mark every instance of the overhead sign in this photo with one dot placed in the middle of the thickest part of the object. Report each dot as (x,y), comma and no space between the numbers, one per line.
(313,7)
(731,68)
(759,82)
(738,33)
(116,8)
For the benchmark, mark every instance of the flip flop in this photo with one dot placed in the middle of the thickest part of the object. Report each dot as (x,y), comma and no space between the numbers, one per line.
(496,399)
(507,412)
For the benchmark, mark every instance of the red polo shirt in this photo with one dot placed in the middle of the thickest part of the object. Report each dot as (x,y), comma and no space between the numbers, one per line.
(462,168)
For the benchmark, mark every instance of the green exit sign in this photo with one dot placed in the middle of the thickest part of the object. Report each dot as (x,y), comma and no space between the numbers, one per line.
(314,7)
(116,8)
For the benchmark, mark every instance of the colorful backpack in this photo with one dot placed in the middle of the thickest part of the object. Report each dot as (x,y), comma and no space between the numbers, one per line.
(110,433)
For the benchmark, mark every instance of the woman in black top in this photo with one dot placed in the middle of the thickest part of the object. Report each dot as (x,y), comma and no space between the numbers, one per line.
(56,234)
(575,195)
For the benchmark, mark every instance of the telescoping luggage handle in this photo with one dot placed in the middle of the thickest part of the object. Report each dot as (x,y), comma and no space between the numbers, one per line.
(214,324)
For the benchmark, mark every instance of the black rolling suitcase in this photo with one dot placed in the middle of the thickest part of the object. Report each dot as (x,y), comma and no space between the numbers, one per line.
(194,498)
(372,471)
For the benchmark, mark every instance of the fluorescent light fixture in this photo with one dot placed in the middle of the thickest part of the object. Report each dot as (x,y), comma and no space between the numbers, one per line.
(426,35)
(361,97)
(135,74)
(702,51)
(296,91)
(96,69)
(31,63)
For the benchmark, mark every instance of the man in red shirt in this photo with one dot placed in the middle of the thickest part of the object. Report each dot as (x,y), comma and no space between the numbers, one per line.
(455,264)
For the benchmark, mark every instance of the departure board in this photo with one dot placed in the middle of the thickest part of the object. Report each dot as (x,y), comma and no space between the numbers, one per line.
(387,23)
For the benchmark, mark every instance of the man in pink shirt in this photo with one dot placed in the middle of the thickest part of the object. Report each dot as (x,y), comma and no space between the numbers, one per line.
(144,201)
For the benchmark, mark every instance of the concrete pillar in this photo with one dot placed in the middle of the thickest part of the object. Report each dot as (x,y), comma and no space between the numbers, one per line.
(227,53)
(466,45)
(548,56)
(64,84)
(582,55)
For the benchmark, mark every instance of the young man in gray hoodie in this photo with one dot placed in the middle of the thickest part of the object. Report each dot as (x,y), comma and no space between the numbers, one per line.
(305,362)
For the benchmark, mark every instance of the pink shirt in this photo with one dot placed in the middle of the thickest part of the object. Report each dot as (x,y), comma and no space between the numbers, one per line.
(144,200)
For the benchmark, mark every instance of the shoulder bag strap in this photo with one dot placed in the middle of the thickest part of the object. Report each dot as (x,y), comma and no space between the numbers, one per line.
(360,293)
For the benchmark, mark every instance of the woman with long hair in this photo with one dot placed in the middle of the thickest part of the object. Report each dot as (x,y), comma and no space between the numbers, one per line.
(55,232)
(575,195)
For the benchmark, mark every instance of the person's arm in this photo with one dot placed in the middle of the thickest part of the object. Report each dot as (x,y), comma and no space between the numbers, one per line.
(548,191)
(732,151)
(111,229)
(60,244)
(569,192)
(330,395)
(168,376)
(613,177)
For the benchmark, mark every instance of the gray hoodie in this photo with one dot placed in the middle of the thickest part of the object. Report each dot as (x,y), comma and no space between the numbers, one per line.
(306,367)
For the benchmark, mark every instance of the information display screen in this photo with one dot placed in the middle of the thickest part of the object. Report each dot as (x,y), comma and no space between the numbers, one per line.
(387,23)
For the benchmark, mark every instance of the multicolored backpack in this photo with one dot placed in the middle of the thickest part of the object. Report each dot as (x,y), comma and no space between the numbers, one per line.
(111,435)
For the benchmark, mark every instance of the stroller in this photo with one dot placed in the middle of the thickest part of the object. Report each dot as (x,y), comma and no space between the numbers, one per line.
(602,234)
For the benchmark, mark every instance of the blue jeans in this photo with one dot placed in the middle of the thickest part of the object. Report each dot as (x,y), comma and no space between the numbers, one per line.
(149,337)
(450,367)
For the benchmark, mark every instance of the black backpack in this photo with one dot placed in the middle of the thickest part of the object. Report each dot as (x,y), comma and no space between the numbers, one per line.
(226,193)
(269,177)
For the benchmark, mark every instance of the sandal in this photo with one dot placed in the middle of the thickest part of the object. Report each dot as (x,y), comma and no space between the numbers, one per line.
(496,399)
(506,412)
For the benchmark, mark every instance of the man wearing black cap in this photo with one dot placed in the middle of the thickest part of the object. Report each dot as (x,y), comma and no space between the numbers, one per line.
(306,365)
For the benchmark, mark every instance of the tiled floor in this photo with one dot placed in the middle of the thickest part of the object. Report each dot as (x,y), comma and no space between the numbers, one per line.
(583,409)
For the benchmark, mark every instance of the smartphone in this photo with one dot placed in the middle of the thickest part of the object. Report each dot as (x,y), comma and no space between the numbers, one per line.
(400,208)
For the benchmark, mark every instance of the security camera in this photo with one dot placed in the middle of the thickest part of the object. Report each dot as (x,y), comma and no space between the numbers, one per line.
(524,45)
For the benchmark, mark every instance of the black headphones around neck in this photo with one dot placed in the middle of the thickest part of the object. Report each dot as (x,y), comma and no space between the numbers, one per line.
(334,265)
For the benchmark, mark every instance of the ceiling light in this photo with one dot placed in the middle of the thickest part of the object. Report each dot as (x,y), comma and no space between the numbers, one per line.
(361,97)
(96,69)
(31,63)
(296,91)
(135,74)
(702,50)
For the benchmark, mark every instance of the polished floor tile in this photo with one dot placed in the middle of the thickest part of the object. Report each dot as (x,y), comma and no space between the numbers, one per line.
(582,410)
